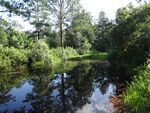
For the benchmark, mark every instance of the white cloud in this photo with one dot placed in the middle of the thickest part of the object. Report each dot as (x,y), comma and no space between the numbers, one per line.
(25,24)
(88,108)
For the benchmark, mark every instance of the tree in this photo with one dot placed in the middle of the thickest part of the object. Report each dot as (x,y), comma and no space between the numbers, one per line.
(39,13)
(102,33)
(13,7)
(131,35)
(145,1)
(3,34)
(80,34)
(53,39)
(62,13)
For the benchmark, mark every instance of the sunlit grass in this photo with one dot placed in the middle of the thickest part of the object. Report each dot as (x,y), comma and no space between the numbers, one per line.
(93,56)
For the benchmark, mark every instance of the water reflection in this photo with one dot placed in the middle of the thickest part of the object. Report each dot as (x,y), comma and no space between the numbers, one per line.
(84,88)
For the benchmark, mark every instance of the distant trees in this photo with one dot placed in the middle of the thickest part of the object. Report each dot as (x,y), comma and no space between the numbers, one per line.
(65,23)
(102,30)
(63,10)
(39,16)
(80,34)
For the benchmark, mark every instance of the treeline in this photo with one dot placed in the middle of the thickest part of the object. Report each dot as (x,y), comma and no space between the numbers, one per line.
(56,24)
(64,23)
(131,49)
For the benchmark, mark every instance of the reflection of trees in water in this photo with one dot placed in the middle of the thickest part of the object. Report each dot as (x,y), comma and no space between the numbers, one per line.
(102,80)
(7,82)
(79,86)
(40,96)
(66,92)
(119,77)
(4,96)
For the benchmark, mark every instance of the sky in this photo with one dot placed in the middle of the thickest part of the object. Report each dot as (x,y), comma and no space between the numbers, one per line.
(108,6)
(94,7)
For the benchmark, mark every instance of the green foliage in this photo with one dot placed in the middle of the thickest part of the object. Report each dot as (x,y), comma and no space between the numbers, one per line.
(91,56)
(40,52)
(12,6)
(85,47)
(137,93)
(102,32)
(12,57)
(39,12)
(64,53)
(19,40)
(16,56)
(3,37)
(80,35)
(131,34)
(5,63)
(53,39)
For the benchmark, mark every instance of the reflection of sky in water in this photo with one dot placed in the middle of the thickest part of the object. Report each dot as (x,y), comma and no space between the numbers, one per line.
(99,103)
(57,79)
(82,93)
(18,95)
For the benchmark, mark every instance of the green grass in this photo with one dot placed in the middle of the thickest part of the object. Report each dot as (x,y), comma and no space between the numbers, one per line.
(92,56)
(137,95)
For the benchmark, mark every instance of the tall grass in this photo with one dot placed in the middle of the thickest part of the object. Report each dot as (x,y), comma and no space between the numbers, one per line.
(137,95)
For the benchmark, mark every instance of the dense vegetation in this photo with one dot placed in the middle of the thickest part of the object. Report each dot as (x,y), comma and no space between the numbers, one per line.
(71,34)
(131,48)
(137,93)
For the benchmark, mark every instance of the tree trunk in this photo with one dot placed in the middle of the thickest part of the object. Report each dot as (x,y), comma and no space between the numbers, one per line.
(61,23)
(61,36)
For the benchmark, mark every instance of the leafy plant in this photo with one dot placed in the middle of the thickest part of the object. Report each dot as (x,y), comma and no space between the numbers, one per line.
(137,94)
(41,52)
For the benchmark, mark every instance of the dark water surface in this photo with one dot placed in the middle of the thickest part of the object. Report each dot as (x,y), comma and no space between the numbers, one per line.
(78,87)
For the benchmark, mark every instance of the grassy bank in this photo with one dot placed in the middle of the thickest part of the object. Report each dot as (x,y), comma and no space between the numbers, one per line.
(71,55)
(92,56)
(137,95)
(41,56)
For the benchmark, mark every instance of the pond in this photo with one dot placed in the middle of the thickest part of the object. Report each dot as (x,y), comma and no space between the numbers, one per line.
(74,87)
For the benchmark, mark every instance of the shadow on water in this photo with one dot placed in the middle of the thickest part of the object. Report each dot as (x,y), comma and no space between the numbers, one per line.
(74,87)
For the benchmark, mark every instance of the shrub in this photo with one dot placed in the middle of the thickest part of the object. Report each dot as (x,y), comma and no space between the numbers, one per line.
(85,48)
(12,57)
(16,56)
(138,92)
(5,63)
(40,52)
(64,53)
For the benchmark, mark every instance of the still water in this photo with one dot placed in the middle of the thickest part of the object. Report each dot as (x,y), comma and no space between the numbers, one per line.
(76,87)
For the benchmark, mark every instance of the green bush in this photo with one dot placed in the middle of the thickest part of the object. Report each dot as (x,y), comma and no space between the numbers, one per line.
(41,52)
(4,38)
(12,57)
(20,40)
(85,48)
(5,63)
(16,56)
(137,95)
(64,53)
